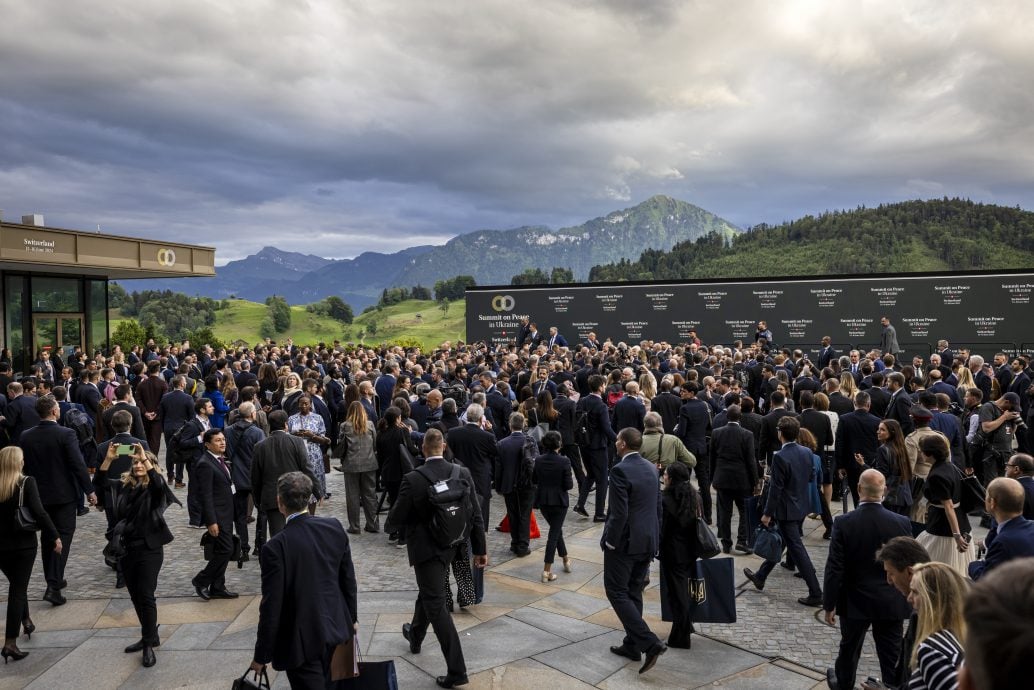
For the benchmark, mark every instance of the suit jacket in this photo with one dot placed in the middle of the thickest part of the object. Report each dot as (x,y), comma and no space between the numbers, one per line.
(770,433)
(889,340)
(694,426)
(508,462)
(633,525)
(272,457)
(819,425)
(1028,501)
(629,412)
(309,592)
(53,459)
(1014,539)
(412,508)
(949,390)
(900,410)
(789,497)
(667,405)
(600,431)
(20,416)
(879,401)
(501,411)
(733,461)
(241,438)
(840,403)
(856,433)
(826,355)
(175,409)
(384,386)
(136,430)
(149,393)
(88,395)
(215,492)
(565,418)
(475,449)
(553,479)
(855,584)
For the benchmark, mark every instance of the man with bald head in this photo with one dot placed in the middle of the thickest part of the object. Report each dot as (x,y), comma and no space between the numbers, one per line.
(856,586)
(1011,535)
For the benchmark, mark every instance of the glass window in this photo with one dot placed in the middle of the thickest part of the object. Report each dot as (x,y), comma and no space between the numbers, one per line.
(14,327)
(56,294)
(97,315)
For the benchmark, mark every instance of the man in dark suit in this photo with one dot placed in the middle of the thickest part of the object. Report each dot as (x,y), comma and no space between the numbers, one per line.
(601,435)
(309,593)
(497,399)
(87,394)
(189,447)
(826,352)
(667,405)
(149,394)
(475,449)
(856,586)
(630,410)
(20,413)
(1012,535)
(631,538)
(592,342)
(53,459)
(693,430)
(175,409)
(523,332)
(1021,468)
(123,401)
(241,438)
(788,504)
(735,476)
(215,491)
(565,420)
(512,479)
(272,457)
(770,427)
(429,559)
(555,338)
(384,386)
(856,433)
(879,398)
(900,403)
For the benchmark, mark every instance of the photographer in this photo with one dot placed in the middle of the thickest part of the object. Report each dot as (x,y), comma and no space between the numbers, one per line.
(999,422)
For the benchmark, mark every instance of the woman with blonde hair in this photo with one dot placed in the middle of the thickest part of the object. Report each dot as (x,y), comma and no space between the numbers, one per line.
(139,537)
(966,381)
(848,386)
(357,440)
(937,594)
(18,545)
(647,389)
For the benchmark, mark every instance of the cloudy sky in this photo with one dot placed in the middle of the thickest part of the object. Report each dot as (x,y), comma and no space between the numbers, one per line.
(335,127)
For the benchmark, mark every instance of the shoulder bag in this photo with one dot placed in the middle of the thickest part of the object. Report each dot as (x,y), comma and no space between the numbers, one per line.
(257,680)
(24,517)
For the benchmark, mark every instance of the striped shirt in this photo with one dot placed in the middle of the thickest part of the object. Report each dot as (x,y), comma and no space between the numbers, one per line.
(939,658)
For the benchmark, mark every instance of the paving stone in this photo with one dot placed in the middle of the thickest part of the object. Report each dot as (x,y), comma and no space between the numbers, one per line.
(590,661)
(205,670)
(706,662)
(20,674)
(42,639)
(524,674)
(571,604)
(193,636)
(568,628)
(98,664)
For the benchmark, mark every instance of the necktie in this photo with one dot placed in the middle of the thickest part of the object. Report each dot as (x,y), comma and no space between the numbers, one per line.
(222,461)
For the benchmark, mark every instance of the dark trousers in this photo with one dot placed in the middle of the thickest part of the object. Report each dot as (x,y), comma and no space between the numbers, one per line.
(484,502)
(676,588)
(703,472)
(173,467)
(886,635)
(554,515)
(63,515)
(624,578)
(16,566)
(796,554)
(312,674)
(260,528)
(240,517)
(727,498)
(153,431)
(596,472)
(393,493)
(140,568)
(193,499)
(518,509)
(572,453)
(431,610)
(213,575)
(275,521)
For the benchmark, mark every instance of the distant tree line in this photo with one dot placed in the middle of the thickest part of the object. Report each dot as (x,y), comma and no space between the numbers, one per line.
(536,276)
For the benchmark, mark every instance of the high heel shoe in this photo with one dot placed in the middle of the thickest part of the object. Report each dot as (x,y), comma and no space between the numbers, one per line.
(28,627)
(548,576)
(12,653)
(567,564)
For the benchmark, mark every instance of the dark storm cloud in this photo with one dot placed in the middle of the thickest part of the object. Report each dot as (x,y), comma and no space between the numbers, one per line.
(333,128)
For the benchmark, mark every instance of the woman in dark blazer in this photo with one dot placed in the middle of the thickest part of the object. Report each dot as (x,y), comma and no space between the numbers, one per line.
(678,552)
(553,479)
(18,546)
(142,499)
(392,433)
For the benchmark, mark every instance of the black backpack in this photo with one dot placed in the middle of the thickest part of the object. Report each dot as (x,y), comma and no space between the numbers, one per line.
(79,422)
(581,427)
(450,508)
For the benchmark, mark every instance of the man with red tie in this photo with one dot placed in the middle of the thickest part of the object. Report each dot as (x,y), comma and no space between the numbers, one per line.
(216,490)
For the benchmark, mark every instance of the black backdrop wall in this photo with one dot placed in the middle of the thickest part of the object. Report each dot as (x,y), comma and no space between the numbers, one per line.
(984,312)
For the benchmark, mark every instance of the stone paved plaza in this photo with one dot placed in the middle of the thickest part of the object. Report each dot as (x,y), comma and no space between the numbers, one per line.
(524,635)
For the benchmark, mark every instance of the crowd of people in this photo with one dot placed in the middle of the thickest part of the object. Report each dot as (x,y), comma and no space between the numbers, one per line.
(250,434)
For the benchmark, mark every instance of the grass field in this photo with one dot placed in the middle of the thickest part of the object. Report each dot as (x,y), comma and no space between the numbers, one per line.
(413,320)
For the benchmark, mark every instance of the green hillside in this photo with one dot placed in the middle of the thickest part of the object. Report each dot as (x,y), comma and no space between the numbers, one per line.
(937,235)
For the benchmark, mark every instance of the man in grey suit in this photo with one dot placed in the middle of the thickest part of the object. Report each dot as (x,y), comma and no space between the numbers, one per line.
(631,537)
(788,501)
(888,338)
(272,457)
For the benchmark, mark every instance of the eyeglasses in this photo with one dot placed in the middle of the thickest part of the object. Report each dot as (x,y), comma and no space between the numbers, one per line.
(1009,464)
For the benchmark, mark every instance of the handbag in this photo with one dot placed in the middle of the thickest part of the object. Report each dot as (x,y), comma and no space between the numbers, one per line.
(768,543)
(210,544)
(343,662)
(373,675)
(707,543)
(258,680)
(406,458)
(973,492)
(712,592)
(23,516)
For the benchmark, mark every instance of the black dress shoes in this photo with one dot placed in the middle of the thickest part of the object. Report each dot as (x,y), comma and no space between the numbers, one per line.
(222,594)
(652,654)
(743,548)
(149,659)
(811,600)
(831,679)
(135,647)
(54,597)
(599,518)
(120,581)
(63,585)
(581,511)
(758,583)
(450,681)
(201,591)
(726,548)
(622,650)
(407,632)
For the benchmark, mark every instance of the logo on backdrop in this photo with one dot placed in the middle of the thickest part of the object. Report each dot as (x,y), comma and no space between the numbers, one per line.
(503,303)
(166,257)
